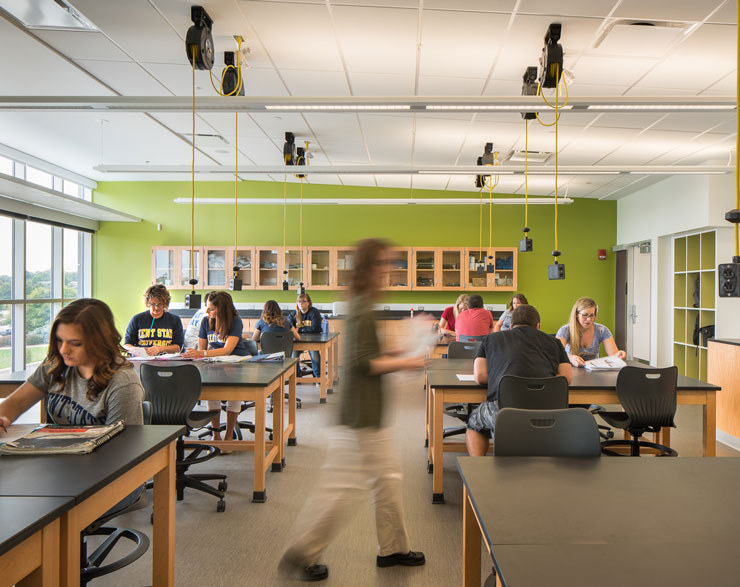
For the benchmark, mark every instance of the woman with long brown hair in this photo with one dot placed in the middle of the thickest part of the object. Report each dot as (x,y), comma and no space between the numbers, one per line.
(307,320)
(85,377)
(504,322)
(583,336)
(362,452)
(221,335)
(272,320)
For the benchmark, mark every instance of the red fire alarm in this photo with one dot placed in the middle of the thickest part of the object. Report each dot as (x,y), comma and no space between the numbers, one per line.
(602,254)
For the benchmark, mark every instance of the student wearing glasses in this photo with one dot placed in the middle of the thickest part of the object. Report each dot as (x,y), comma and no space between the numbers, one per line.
(583,336)
(155,330)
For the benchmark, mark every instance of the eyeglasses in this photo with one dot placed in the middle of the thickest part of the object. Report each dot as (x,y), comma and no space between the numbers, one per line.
(156,306)
(588,316)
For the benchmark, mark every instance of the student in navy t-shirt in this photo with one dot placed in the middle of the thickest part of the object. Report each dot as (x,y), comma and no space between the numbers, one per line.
(156,330)
(273,321)
(220,335)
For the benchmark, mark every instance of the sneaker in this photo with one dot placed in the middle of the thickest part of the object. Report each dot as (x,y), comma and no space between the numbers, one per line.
(409,559)
(290,570)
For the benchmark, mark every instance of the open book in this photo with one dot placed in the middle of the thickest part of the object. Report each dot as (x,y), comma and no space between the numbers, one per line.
(271,358)
(53,439)
(612,363)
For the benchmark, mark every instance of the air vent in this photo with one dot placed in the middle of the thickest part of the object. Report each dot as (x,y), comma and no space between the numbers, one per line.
(206,141)
(57,15)
(532,156)
(640,38)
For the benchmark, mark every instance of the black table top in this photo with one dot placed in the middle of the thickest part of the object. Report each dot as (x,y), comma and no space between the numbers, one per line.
(23,516)
(735,341)
(617,565)
(79,476)
(607,500)
(316,337)
(237,374)
(440,375)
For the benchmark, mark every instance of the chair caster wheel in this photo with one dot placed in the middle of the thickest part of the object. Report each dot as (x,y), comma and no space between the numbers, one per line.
(222,486)
(430,467)
(270,436)
(269,410)
(151,518)
(221,506)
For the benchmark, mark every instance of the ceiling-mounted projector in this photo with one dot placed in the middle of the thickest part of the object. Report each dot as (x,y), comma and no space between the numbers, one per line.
(199,41)
(551,60)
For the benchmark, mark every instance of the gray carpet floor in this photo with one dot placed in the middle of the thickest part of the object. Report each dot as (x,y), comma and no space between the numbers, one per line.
(242,546)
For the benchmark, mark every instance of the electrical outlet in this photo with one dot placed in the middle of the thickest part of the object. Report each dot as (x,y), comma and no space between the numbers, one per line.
(728,275)
(386,308)
(556,271)
(420,308)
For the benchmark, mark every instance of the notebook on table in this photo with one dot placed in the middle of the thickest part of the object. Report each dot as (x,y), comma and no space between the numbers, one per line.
(53,439)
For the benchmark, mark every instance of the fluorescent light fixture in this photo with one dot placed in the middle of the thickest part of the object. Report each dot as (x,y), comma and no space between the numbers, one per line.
(47,14)
(684,172)
(505,107)
(551,171)
(482,170)
(372,201)
(660,107)
(351,107)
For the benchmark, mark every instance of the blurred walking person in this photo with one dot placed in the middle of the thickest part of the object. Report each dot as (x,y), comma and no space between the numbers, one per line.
(361,453)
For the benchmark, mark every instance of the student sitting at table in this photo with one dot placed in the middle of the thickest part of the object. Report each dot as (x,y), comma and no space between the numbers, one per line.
(475,321)
(504,322)
(272,320)
(449,316)
(582,336)
(155,330)
(221,335)
(193,329)
(525,351)
(85,377)
(307,319)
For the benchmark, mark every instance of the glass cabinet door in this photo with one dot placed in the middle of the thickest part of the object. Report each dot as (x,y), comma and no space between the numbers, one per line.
(476,276)
(293,264)
(399,270)
(425,269)
(185,265)
(217,270)
(163,265)
(268,270)
(452,269)
(243,261)
(505,261)
(319,268)
(344,262)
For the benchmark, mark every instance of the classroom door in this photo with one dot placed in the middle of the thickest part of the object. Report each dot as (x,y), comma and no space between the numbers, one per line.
(638,302)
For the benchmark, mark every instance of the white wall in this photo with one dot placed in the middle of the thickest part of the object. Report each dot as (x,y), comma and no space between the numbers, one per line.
(673,206)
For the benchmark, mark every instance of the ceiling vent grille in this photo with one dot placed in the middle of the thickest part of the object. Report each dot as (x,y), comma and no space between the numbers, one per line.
(532,156)
(640,38)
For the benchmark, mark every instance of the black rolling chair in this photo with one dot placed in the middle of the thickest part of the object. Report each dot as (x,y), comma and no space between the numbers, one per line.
(648,397)
(93,565)
(571,432)
(467,338)
(533,393)
(274,342)
(462,350)
(173,393)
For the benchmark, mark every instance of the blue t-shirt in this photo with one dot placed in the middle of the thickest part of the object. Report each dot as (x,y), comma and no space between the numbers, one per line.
(506,320)
(311,321)
(215,342)
(601,333)
(263,326)
(144,331)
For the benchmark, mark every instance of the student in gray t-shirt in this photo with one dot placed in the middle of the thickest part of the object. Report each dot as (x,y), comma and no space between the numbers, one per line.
(85,378)
(583,336)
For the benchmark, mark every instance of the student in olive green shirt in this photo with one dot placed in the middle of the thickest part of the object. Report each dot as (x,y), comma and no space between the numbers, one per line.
(361,452)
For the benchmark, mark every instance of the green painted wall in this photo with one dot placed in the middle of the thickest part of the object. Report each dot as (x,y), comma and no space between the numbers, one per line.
(122,251)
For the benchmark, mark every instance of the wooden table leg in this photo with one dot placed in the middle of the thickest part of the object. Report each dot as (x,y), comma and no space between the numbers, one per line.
(259,495)
(426,408)
(471,544)
(163,553)
(278,426)
(292,401)
(436,442)
(70,549)
(709,428)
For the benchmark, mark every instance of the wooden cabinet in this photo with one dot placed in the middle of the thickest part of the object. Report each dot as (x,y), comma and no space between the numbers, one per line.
(320,262)
(491,269)
(330,268)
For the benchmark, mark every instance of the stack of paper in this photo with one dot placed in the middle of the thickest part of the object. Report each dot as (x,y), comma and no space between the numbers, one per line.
(612,363)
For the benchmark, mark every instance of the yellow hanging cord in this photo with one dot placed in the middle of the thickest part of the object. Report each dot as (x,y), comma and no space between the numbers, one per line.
(490,210)
(300,230)
(480,228)
(526,188)
(236,178)
(557,97)
(238,87)
(285,207)
(737,138)
(192,184)
(540,93)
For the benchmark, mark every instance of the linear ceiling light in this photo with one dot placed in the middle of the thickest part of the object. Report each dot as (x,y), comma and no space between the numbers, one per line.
(661,107)
(371,201)
(484,107)
(325,107)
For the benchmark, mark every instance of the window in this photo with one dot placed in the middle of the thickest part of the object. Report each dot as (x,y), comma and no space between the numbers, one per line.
(6,166)
(71,188)
(42,268)
(39,177)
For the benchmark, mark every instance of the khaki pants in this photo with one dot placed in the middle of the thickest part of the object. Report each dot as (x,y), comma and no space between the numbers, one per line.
(358,459)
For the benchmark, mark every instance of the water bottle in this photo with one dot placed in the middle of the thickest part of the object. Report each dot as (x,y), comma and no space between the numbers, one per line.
(324,324)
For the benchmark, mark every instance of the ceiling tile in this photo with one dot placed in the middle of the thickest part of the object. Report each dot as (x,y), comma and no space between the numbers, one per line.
(637,120)
(356,179)
(727,13)
(665,9)
(694,121)
(460,44)
(393,181)
(83,45)
(378,84)
(126,77)
(377,40)
(315,83)
(449,86)
(567,7)
(476,5)
(603,70)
